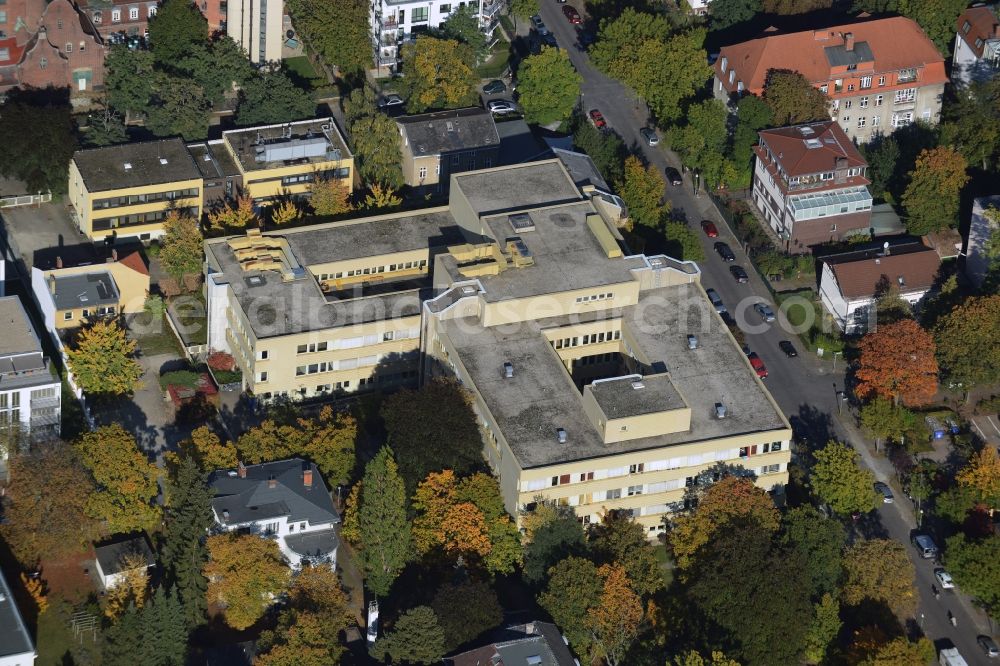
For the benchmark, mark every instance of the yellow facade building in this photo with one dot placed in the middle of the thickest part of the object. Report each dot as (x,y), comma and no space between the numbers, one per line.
(601,380)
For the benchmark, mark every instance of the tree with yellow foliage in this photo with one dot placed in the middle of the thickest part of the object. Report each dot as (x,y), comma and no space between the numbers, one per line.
(101,359)
(330,196)
(235,215)
(207,450)
(381,196)
(35,588)
(982,474)
(245,574)
(285,212)
(439,74)
(132,589)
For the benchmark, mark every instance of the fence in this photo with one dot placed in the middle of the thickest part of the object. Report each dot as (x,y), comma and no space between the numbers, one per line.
(25,200)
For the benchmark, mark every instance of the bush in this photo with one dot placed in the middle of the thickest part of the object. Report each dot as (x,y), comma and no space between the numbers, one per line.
(989,405)
(221,362)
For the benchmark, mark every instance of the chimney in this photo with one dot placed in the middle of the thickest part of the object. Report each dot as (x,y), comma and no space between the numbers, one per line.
(59,263)
(848,41)
(508,369)
(307,477)
(720,410)
(561,435)
(241,469)
(52,285)
(271,481)
(225,515)
(114,254)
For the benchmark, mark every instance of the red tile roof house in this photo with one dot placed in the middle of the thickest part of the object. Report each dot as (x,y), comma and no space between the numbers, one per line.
(850,282)
(879,74)
(809,184)
(977,46)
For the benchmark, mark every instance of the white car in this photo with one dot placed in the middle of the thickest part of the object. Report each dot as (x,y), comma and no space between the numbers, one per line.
(944,578)
(390,101)
(501,107)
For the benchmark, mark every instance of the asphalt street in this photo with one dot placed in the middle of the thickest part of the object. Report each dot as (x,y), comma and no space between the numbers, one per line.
(805,387)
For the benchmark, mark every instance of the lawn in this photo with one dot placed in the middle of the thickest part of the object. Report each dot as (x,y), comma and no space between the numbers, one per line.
(804,307)
(154,339)
(497,62)
(303,73)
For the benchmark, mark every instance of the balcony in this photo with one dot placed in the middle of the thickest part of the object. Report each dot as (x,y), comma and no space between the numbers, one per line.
(491,10)
(390,39)
(389,23)
(387,57)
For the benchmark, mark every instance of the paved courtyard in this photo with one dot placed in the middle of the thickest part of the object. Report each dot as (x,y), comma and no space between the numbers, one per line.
(33,228)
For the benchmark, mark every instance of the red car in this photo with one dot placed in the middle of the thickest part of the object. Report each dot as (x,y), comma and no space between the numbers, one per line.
(758,365)
(710,229)
(572,15)
(597,119)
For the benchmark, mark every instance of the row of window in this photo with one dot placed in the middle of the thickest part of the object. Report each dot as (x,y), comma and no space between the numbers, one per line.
(103,224)
(100,312)
(116,14)
(339,174)
(373,270)
(349,343)
(590,338)
(152,197)
(595,297)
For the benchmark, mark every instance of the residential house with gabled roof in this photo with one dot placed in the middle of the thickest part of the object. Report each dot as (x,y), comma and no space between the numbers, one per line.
(435,145)
(977,45)
(879,74)
(850,283)
(809,184)
(530,644)
(286,500)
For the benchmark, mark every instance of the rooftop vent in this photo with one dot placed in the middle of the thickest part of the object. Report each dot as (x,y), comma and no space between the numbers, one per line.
(232,473)
(451,126)
(3,597)
(521,222)
(163,161)
(225,514)
(561,435)
(534,660)
(207,157)
(877,260)
(807,131)
(692,342)
(902,283)
(812,144)
(656,262)
(468,291)
(128,166)
(637,384)
(720,410)
(508,369)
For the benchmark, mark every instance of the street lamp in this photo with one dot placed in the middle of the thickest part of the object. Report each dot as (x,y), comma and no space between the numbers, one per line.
(835,354)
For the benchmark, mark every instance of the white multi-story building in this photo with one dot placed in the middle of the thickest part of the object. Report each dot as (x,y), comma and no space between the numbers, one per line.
(256,25)
(977,46)
(981,228)
(394,22)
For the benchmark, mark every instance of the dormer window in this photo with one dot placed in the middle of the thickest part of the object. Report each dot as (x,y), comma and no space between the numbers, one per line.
(97,18)
(116,16)
(724,63)
(966,27)
(979,43)
(133,13)
(732,75)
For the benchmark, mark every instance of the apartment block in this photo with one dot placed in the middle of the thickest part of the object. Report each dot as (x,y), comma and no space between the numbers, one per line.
(809,184)
(879,74)
(256,25)
(436,145)
(16,646)
(977,46)
(30,392)
(601,380)
(121,20)
(126,191)
(395,22)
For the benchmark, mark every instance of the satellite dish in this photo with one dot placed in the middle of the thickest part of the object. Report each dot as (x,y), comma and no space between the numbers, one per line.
(290,34)
(885,246)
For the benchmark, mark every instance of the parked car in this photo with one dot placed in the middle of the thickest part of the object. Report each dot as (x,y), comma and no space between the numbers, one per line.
(713,296)
(885,491)
(597,118)
(501,107)
(710,229)
(765,311)
(789,349)
(739,274)
(746,350)
(571,14)
(390,101)
(758,365)
(989,646)
(584,37)
(549,40)
(539,25)
(649,135)
(924,545)
(674,176)
(495,87)
(944,579)
(724,251)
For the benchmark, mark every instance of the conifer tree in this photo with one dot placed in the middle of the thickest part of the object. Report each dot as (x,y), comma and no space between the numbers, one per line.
(385,531)
(183,554)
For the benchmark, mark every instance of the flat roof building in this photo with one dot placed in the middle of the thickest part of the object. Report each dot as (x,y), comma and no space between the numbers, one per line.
(16,647)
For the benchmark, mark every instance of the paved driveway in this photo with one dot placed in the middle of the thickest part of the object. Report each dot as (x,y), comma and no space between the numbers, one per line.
(806,388)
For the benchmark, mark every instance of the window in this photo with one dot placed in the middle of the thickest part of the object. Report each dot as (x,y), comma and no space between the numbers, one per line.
(69,47)
(614,494)
(906,75)
(906,95)
(422,173)
(262,355)
(634,490)
(437,169)
(68,315)
(4,53)
(152,11)
(446,9)
(775,446)
(874,121)
(724,63)
(850,87)
(133,13)
(116,16)
(261,377)
(966,27)
(291,528)
(979,43)
(419,14)
(83,45)
(852,67)
(271,528)
(586,476)
(43,63)
(863,102)
(879,99)
(59,24)
(861,122)
(833,227)
(848,103)
(866,82)
(402,16)
(633,469)
(824,88)
(97,18)
(881,80)
(3,17)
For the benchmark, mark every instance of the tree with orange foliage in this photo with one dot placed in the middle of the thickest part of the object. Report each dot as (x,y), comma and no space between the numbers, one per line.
(730,499)
(330,196)
(285,213)
(897,362)
(614,621)
(35,588)
(982,474)
(235,216)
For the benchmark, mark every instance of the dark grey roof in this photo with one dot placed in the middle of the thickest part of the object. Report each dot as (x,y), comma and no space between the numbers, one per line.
(581,168)
(152,163)
(838,56)
(313,544)
(449,131)
(14,636)
(532,644)
(518,144)
(110,553)
(621,397)
(251,498)
(18,334)
(85,290)
(213,160)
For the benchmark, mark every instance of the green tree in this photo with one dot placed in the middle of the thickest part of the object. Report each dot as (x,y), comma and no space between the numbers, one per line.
(164,633)
(787,7)
(620,540)
(439,74)
(126,480)
(463,26)
(607,150)
(105,127)
(642,190)
(971,123)
(375,140)
(878,569)
(101,361)
(793,99)
(965,339)
(574,588)
(120,640)
(937,18)
(824,628)
(726,13)
(754,115)
(39,138)
(217,67)
(552,541)
(177,105)
(339,32)
(883,157)
(180,248)
(188,516)
(465,611)
(416,638)
(681,242)
(901,652)
(755,595)
(176,27)
(128,78)
(932,197)
(431,429)
(273,98)
(692,658)
(955,503)
(549,86)
(524,8)
(838,480)
(385,531)
(819,541)
(702,140)
(883,420)
(976,568)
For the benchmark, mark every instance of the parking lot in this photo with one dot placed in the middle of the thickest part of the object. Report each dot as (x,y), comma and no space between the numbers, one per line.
(33,228)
